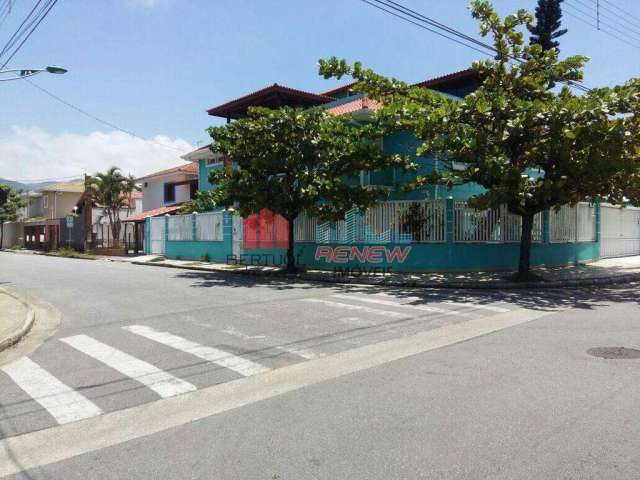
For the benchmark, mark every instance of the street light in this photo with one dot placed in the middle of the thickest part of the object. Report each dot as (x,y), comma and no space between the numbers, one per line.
(19,74)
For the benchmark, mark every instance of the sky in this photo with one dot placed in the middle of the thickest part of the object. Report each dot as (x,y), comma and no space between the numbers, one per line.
(152,67)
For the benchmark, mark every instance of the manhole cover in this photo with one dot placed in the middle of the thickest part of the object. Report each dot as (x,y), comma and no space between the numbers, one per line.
(615,353)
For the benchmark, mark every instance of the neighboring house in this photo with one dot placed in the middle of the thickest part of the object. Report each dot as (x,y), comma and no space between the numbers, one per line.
(168,188)
(163,193)
(45,213)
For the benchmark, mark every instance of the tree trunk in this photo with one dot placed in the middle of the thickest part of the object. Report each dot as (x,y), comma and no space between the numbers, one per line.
(525,243)
(291,259)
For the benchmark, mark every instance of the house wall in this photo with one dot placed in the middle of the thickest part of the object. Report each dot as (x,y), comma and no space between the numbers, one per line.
(153,193)
(60,204)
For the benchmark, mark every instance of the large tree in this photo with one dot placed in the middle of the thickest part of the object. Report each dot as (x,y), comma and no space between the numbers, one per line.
(548,22)
(531,148)
(10,204)
(113,192)
(292,161)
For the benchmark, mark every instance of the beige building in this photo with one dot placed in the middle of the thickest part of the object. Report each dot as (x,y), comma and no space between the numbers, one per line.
(45,209)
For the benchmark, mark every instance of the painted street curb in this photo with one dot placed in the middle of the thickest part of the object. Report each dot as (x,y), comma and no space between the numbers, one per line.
(21,331)
(382,282)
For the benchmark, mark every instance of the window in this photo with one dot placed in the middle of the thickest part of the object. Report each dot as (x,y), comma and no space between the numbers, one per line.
(45,201)
(169,192)
(193,188)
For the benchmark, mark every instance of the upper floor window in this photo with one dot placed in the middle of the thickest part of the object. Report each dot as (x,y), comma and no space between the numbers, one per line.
(169,192)
(45,201)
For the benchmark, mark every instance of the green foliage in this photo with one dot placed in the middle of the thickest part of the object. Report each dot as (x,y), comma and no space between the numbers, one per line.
(292,161)
(10,204)
(68,252)
(203,202)
(112,191)
(530,147)
(548,22)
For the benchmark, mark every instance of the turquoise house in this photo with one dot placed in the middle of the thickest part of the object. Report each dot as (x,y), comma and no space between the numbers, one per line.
(425,230)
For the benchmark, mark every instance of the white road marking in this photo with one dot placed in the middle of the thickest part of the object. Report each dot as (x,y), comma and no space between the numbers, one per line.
(477,306)
(425,308)
(62,402)
(348,306)
(225,359)
(161,382)
(300,352)
(44,447)
(357,321)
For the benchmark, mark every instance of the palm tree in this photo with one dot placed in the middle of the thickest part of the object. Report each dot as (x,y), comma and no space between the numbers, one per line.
(113,192)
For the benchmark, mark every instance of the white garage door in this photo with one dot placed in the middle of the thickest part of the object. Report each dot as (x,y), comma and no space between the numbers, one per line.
(620,231)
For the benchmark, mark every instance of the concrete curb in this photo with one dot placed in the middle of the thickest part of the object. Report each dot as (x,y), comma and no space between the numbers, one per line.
(386,282)
(46,254)
(17,335)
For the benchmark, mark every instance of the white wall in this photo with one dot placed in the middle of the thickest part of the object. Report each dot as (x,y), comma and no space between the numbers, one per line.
(153,193)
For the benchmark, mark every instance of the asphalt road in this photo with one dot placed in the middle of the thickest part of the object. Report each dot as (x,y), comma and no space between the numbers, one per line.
(152,343)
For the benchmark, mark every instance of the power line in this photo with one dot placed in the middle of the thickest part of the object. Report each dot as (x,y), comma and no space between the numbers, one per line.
(606,32)
(423,27)
(5,10)
(599,21)
(97,119)
(405,12)
(620,9)
(600,7)
(26,29)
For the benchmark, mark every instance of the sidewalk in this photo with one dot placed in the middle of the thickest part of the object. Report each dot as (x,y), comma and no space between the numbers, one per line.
(602,272)
(16,319)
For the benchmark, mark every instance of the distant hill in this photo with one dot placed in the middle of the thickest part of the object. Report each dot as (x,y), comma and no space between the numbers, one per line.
(24,186)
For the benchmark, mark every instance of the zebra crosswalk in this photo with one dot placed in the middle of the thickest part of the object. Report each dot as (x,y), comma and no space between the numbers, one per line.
(80,374)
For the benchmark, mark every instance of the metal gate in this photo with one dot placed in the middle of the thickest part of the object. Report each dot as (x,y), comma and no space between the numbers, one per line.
(619,231)
(157,235)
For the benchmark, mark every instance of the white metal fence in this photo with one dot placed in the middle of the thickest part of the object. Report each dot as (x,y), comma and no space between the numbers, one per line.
(156,233)
(180,227)
(619,231)
(573,224)
(495,225)
(208,227)
(396,221)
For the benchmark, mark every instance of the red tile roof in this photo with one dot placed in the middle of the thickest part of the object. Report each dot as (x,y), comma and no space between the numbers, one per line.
(363,103)
(266,96)
(187,168)
(469,73)
(156,212)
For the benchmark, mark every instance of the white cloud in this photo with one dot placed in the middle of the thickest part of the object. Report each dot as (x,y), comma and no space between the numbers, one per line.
(33,153)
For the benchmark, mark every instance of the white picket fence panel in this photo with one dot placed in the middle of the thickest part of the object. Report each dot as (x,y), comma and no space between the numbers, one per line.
(495,225)
(619,231)
(394,221)
(209,226)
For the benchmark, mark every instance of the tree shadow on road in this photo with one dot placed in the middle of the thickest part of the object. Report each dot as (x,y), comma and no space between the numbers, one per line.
(586,298)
